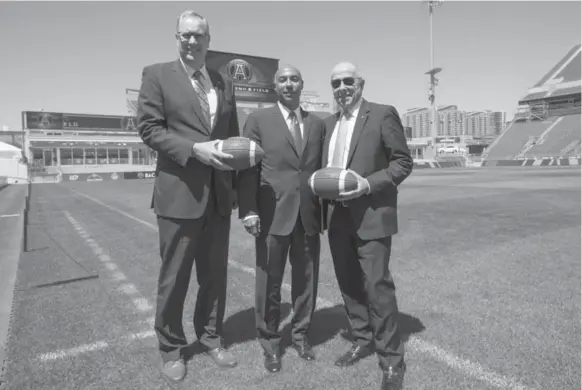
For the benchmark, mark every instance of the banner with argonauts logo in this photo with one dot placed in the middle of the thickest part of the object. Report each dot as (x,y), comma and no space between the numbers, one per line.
(252,76)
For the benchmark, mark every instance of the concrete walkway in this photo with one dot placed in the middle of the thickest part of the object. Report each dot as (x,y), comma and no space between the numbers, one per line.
(12,219)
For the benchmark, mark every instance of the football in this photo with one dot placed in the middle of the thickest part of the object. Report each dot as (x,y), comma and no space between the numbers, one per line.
(327,183)
(245,152)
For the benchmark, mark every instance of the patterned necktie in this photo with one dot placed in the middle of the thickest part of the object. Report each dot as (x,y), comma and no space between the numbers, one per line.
(340,142)
(202,96)
(296,131)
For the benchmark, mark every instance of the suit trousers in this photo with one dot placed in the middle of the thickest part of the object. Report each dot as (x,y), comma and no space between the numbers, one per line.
(367,287)
(271,257)
(183,242)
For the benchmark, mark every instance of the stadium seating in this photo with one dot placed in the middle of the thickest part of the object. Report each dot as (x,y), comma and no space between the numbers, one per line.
(547,124)
(512,141)
(563,134)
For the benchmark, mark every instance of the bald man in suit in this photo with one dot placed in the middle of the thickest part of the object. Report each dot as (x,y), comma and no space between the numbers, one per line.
(279,209)
(367,139)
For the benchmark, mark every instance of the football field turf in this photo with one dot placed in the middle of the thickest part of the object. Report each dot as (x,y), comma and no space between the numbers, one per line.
(486,265)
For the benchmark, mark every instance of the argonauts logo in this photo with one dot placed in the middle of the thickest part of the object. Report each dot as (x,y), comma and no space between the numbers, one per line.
(239,70)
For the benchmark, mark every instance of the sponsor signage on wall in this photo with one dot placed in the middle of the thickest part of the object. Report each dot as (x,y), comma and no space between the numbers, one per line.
(41,120)
(101,176)
(139,175)
(107,176)
(252,76)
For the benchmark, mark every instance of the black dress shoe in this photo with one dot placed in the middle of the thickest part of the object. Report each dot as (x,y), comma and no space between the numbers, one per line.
(393,378)
(304,350)
(354,355)
(272,362)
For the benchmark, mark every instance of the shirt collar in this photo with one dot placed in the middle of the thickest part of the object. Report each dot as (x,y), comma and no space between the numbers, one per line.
(355,109)
(285,111)
(190,71)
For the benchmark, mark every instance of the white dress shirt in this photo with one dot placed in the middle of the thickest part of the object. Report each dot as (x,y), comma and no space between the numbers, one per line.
(351,123)
(285,111)
(208,88)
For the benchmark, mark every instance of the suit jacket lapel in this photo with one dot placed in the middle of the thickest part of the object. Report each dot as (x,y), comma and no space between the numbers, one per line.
(283,125)
(191,94)
(218,85)
(306,120)
(358,127)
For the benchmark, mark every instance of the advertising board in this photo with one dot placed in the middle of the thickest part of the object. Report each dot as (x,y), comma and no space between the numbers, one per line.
(252,76)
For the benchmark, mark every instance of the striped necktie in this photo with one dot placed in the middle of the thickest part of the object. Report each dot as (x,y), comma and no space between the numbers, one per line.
(202,96)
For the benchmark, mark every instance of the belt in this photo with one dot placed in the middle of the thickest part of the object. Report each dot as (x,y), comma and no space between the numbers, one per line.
(338,203)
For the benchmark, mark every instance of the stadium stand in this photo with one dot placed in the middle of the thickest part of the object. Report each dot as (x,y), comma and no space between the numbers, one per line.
(547,122)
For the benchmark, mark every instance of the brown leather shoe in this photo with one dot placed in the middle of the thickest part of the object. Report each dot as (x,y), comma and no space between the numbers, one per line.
(174,370)
(222,357)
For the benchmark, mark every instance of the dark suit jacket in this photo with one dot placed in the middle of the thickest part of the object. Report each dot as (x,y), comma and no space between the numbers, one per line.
(170,121)
(277,189)
(379,153)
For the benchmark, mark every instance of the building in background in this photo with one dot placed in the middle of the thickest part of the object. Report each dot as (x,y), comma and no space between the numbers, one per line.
(484,123)
(73,147)
(310,101)
(454,122)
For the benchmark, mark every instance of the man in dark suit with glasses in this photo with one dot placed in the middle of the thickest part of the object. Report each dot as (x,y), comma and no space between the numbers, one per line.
(184,109)
(368,139)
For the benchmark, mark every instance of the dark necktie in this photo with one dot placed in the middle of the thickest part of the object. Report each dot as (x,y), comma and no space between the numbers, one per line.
(296,131)
(202,97)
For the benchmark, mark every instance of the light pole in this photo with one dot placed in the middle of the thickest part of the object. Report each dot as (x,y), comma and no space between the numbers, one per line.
(433,128)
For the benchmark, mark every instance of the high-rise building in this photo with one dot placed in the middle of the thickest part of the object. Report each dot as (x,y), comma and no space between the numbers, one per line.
(484,123)
(310,101)
(453,122)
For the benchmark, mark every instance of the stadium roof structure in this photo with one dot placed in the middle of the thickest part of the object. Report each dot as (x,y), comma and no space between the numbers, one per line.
(562,80)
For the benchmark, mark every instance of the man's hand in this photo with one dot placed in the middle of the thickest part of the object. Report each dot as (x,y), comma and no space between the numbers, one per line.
(363,188)
(207,153)
(252,225)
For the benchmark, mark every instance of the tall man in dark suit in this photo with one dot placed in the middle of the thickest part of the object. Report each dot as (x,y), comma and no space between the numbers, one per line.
(184,109)
(368,139)
(279,209)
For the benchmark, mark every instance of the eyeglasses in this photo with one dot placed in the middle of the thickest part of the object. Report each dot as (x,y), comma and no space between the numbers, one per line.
(348,82)
(186,36)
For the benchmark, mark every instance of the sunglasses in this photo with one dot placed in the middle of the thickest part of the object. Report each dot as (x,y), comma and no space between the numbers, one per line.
(348,82)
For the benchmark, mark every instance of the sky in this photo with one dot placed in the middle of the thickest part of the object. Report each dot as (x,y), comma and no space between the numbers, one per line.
(78,57)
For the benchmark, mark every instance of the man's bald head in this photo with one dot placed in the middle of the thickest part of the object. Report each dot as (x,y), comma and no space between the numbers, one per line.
(288,85)
(346,67)
(347,85)
(286,68)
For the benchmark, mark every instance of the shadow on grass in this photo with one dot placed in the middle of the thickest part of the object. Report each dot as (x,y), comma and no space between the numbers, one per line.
(327,324)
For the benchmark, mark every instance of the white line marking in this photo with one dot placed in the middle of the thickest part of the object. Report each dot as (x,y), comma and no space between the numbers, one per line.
(118,276)
(128,289)
(141,303)
(9,215)
(459,364)
(111,266)
(73,351)
(99,345)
